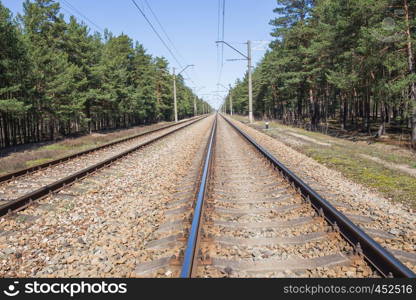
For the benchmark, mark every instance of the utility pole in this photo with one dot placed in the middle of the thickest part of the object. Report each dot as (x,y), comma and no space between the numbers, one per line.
(231,101)
(247,57)
(250,83)
(175,104)
(229,95)
(195,96)
(195,112)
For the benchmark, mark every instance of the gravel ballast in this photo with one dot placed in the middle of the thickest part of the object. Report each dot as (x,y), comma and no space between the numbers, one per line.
(251,228)
(391,224)
(98,226)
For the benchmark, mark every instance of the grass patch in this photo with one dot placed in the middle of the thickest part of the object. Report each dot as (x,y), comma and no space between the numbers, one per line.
(32,163)
(23,159)
(344,156)
(385,152)
(394,185)
(396,159)
(69,206)
(83,147)
(21,219)
(55,147)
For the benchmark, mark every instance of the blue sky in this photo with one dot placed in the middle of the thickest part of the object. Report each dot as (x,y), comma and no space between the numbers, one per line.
(192,25)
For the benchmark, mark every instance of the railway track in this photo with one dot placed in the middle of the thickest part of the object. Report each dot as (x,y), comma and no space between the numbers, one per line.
(19,189)
(249,216)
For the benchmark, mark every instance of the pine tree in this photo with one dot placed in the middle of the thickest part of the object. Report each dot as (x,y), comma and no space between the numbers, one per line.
(13,79)
(54,76)
(57,78)
(348,61)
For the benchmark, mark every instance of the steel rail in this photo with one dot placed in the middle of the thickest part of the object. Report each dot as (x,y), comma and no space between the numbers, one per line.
(373,252)
(27,199)
(26,171)
(190,255)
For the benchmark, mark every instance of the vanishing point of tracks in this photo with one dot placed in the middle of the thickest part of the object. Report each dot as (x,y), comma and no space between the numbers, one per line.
(19,189)
(248,215)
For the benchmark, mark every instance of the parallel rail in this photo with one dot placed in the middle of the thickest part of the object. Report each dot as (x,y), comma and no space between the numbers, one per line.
(27,171)
(190,255)
(375,254)
(382,260)
(27,199)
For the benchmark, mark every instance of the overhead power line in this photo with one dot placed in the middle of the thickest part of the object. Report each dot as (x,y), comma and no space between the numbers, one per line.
(221,36)
(223,32)
(160,36)
(161,27)
(218,34)
(157,34)
(167,37)
(84,17)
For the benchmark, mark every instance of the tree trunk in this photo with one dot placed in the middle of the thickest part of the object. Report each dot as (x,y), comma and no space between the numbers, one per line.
(382,127)
(367,109)
(88,113)
(344,111)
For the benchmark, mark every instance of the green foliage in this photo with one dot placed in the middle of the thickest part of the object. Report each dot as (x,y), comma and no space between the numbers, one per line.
(344,60)
(57,78)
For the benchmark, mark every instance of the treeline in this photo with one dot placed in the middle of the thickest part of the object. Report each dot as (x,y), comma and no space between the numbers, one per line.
(346,61)
(58,79)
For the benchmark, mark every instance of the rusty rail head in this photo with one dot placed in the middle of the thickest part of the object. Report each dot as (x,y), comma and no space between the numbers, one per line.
(24,200)
(374,253)
(26,171)
(191,254)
